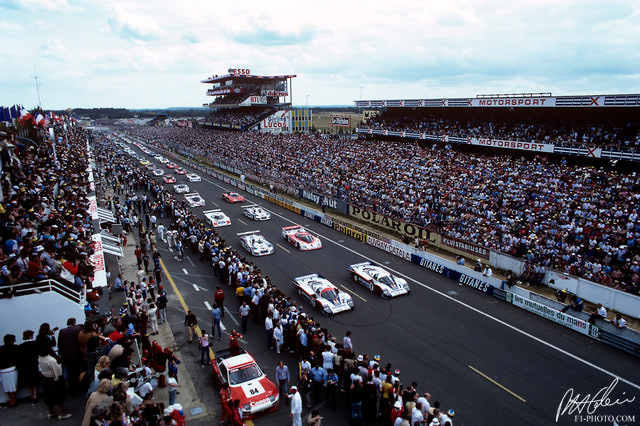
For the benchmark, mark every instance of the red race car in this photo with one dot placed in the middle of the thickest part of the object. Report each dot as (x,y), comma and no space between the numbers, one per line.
(180,171)
(247,382)
(169,179)
(233,197)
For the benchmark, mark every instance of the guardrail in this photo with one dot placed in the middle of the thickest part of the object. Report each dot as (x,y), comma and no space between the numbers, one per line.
(39,287)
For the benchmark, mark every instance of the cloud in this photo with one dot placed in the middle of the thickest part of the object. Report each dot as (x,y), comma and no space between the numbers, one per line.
(273,37)
(36,5)
(133,26)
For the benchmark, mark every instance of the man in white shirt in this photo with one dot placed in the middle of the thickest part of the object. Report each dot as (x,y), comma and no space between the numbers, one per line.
(416,415)
(346,342)
(424,400)
(296,406)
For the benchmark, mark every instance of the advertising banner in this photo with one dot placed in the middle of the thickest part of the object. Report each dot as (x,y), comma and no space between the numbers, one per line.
(97,260)
(435,265)
(470,248)
(279,122)
(544,311)
(502,143)
(389,247)
(341,121)
(402,228)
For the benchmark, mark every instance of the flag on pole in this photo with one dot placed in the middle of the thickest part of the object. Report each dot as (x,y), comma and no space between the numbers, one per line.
(25,116)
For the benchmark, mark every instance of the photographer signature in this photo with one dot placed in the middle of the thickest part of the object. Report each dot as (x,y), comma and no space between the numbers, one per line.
(576,403)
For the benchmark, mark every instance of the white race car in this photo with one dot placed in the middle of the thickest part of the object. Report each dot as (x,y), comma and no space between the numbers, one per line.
(181,188)
(256,212)
(158,172)
(195,200)
(217,218)
(299,237)
(255,243)
(378,280)
(163,160)
(192,177)
(323,295)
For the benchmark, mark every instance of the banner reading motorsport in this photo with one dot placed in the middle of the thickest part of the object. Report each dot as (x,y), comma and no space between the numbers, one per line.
(544,311)
(504,143)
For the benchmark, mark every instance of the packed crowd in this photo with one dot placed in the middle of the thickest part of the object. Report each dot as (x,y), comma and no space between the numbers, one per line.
(248,116)
(259,302)
(562,130)
(44,221)
(582,220)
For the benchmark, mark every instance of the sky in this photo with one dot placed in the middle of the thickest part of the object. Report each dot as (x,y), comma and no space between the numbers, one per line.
(154,54)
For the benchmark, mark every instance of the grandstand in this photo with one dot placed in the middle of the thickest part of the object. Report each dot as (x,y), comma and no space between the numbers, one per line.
(243,101)
(597,126)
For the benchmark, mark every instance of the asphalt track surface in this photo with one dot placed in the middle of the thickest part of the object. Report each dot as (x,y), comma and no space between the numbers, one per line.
(491,362)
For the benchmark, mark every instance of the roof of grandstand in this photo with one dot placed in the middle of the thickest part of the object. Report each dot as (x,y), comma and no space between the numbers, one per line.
(536,100)
(243,75)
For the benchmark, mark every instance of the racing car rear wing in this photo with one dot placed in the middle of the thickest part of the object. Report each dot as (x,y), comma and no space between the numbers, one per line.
(257,231)
(191,194)
(291,229)
(308,277)
(355,265)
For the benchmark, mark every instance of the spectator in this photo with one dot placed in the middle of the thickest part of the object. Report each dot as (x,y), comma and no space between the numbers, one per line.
(204,349)
(101,395)
(599,313)
(575,303)
(619,322)
(191,322)
(9,361)
(53,389)
(28,372)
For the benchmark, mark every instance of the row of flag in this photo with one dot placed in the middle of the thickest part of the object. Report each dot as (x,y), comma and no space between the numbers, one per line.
(19,114)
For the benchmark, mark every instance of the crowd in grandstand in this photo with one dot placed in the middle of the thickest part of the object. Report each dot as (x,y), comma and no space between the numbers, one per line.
(562,130)
(582,220)
(45,228)
(238,118)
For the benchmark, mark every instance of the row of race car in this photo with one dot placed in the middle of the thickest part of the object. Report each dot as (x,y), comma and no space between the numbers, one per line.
(237,368)
(317,290)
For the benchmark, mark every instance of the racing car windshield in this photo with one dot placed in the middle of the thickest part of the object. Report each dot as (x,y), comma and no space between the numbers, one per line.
(307,238)
(388,281)
(244,374)
(329,294)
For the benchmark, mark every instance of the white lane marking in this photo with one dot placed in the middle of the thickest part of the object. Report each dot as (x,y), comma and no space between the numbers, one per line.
(478,311)
(196,287)
(190,261)
(233,318)
(207,305)
(185,271)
